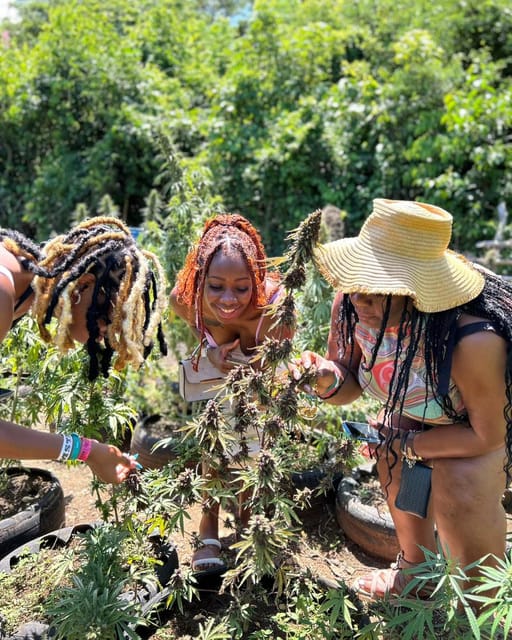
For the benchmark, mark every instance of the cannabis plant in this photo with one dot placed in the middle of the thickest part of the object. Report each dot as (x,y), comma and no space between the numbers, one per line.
(263,404)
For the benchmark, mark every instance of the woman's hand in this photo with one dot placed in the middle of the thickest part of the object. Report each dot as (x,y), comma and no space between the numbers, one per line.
(324,372)
(109,464)
(220,356)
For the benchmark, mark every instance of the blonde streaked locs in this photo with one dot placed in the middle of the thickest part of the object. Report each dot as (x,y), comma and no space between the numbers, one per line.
(128,295)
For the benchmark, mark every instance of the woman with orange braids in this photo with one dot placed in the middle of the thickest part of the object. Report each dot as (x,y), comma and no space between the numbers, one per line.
(223,293)
(103,291)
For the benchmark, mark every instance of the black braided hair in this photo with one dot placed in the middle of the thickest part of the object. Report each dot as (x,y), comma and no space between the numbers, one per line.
(23,245)
(124,278)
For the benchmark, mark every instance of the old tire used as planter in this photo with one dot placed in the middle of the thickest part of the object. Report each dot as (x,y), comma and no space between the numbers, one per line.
(371,528)
(147,596)
(146,441)
(46,512)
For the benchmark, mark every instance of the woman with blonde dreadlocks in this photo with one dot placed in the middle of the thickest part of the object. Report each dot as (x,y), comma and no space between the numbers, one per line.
(103,291)
(223,293)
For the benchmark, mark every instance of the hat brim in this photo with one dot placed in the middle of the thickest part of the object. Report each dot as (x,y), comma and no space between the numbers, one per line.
(353,266)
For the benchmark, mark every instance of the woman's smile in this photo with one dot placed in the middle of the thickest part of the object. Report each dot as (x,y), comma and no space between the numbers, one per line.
(228,290)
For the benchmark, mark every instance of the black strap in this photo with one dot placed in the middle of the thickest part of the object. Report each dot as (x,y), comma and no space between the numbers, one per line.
(473,327)
(456,334)
(446,364)
(26,294)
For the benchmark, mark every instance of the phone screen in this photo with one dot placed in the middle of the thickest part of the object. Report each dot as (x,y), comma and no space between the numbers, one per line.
(361,431)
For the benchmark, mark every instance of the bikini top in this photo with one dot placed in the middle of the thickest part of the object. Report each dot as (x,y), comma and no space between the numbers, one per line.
(418,404)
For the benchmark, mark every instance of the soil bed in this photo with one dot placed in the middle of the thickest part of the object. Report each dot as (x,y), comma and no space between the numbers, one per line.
(19,491)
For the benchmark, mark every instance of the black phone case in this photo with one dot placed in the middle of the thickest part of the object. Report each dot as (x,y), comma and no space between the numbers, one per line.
(414,493)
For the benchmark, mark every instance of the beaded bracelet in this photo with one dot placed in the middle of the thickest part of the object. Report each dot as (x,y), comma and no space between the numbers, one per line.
(333,388)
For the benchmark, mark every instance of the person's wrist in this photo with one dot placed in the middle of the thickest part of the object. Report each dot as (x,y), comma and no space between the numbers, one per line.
(333,388)
(407,446)
(94,449)
(85,449)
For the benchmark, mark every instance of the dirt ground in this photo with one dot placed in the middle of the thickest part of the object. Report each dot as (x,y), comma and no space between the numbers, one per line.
(324,550)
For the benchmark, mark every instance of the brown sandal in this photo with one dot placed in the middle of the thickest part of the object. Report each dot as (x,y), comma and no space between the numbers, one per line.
(389,583)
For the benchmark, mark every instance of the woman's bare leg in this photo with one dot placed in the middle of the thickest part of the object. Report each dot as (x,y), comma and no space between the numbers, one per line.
(466,497)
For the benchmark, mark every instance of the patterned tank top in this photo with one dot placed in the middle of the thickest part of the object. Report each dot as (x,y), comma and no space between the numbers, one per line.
(376,381)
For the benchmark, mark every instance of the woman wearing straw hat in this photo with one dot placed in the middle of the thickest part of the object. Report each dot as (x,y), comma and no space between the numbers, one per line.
(424,331)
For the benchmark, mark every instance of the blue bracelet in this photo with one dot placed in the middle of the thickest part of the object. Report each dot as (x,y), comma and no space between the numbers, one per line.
(77,445)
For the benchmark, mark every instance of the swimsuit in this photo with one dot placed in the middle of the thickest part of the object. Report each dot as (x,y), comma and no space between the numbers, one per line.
(419,402)
(5,272)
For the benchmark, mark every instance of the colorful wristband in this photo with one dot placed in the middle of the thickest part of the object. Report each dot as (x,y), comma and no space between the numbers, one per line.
(77,443)
(67,446)
(333,388)
(85,449)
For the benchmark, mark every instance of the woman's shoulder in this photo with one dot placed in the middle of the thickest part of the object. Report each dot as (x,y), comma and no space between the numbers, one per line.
(184,311)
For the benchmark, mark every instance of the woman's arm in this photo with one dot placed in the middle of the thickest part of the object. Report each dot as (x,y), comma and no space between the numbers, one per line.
(478,370)
(20,443)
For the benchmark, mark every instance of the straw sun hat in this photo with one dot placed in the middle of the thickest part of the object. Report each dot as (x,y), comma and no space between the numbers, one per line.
(402,249)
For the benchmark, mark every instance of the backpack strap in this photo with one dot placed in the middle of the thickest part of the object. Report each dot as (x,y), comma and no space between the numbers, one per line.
(473,327)
(455,335)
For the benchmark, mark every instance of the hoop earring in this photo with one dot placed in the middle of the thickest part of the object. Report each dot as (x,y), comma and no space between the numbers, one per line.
(78,298)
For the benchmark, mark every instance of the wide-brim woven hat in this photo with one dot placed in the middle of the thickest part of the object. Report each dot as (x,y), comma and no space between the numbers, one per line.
(402,249)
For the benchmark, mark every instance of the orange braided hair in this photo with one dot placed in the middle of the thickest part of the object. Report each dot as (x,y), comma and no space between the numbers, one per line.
(233,234)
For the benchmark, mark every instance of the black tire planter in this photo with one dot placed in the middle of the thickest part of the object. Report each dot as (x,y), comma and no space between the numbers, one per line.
(43,516)
(147,434)
(370,528)
(312,478)
(147,597)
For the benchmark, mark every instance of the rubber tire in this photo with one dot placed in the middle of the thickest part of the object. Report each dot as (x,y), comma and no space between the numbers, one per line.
(311,479)
(147,433)
(56,538)
(164,551)
(42,517)
(371,529)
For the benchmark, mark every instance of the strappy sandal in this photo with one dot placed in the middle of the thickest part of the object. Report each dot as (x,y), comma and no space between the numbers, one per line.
(216,566)
(390,583)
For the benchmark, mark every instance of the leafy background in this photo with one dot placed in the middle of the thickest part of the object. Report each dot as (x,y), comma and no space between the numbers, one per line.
(286,105)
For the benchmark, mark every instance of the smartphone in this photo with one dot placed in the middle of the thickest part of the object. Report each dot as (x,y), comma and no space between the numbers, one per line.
(361,431)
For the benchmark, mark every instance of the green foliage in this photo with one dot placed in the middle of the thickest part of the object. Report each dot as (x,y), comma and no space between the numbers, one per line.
(450,612)
(53,390)
(290,106)
(91,607)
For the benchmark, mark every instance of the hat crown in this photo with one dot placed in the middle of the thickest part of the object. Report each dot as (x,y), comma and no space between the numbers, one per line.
(408,229)
(402,250)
